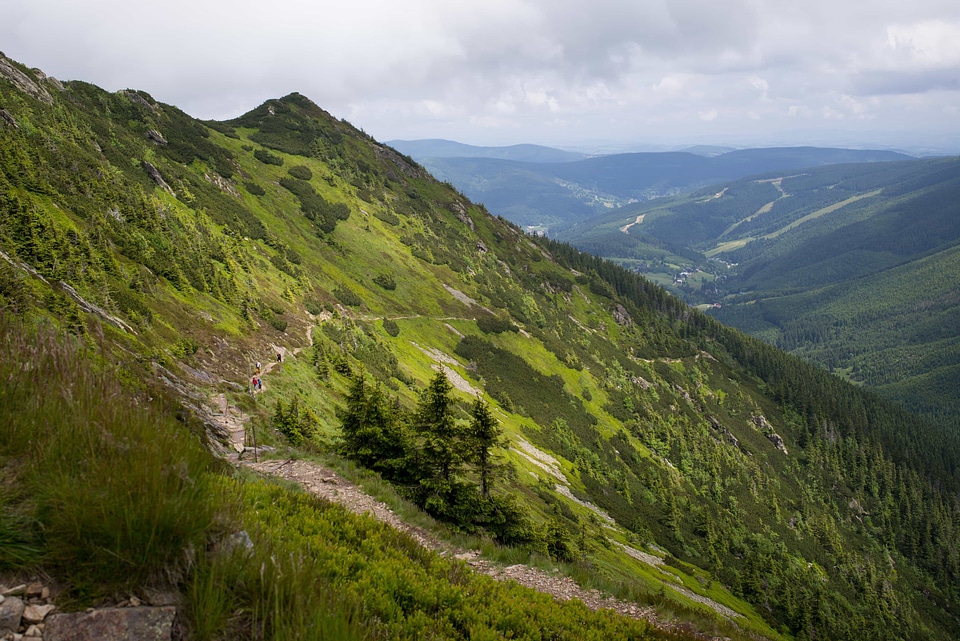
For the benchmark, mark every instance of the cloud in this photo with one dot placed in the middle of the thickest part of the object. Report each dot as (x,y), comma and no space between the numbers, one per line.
(552,71)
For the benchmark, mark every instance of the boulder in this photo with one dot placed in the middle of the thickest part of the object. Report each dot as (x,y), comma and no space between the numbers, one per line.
(11,611)
(112,624)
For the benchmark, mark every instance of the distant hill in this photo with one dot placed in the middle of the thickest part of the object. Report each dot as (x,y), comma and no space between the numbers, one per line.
(707,150)
(548,195)
(438,148)
(851,266)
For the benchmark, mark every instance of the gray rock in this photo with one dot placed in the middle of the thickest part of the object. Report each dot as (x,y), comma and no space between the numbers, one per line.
(156,176)
(11,610)
(621,316)
(113,624)
(22,81)
(777,441)
(7,117)
(156,137)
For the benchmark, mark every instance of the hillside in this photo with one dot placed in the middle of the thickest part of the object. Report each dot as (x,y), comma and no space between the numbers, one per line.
(652,452)
(541,193)
(849,266)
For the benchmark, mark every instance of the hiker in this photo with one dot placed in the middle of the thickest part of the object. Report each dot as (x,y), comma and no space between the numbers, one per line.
(258,367)
(260,383)
(279,357)
(255,382)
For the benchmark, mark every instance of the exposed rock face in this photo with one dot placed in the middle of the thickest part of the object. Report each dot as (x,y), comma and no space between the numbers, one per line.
(140,100)
(156,177)
(22,81)
(401,163)
(7,117)
(777,441)
(621,316)
(156,137)
(224,184)
(114,624)
(460,211)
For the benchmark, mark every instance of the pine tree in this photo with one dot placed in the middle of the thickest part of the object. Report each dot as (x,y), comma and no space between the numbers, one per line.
(485,435)
(372,432)
(439,431)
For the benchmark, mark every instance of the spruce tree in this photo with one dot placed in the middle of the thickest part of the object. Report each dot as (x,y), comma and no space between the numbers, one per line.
(484,435)
(441,435)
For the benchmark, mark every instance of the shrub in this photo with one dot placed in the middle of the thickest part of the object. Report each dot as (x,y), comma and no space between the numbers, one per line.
(300,171)
(268,158)
(489,324)
(347,296)
(391,327)
(278,324)
(254,189)
(386,281)
(387,217)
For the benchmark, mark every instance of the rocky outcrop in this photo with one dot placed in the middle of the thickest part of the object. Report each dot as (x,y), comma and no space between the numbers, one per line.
(777,441)
(7,118)
(90,308)
(224,184)
(761,423)
(140,100)
(404,164)
(460,211)
(621,316)
(156,137)
(156,177)
(23,82)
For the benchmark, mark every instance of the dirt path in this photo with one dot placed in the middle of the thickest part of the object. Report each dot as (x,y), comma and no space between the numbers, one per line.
(327,484)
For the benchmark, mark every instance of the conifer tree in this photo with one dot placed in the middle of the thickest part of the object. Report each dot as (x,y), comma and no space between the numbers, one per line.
(441,435)
(485,435)
(372,432)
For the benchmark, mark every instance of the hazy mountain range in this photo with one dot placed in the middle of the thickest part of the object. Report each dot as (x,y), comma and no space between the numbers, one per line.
(545,189)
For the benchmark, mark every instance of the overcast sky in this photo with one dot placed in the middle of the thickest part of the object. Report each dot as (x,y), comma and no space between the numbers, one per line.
(556,72)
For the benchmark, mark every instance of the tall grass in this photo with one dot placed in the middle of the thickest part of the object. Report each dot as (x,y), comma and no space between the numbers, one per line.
(118,492)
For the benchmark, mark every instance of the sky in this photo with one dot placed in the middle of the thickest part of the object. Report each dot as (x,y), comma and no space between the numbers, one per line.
(587,74)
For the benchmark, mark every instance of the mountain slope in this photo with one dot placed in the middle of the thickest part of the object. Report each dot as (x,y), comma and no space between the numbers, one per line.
(851,266)
(664,453)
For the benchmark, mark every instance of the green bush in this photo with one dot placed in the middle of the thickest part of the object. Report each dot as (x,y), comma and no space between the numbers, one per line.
(489,324)
(300,171)
(347,296)
(386,281)
(267,158)
(254,188)
(391,327)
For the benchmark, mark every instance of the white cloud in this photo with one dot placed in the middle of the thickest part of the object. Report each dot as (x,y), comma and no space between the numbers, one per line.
(552,71)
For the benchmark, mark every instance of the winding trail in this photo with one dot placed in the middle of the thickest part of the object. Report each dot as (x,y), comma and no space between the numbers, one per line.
(327,484)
